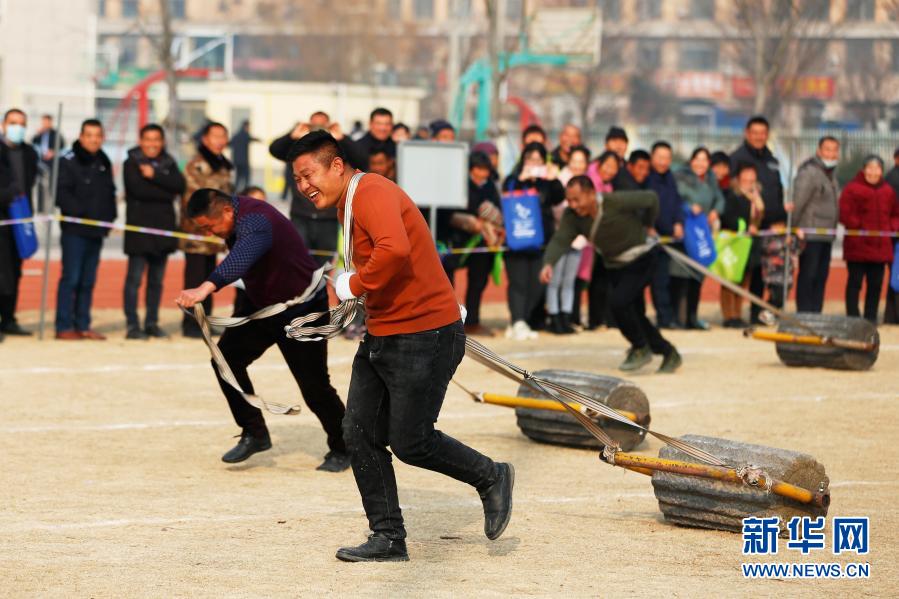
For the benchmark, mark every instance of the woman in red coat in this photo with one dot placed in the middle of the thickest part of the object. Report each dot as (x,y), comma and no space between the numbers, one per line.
(868,202)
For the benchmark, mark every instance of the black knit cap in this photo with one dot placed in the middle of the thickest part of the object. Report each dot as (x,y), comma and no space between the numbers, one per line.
(616,133)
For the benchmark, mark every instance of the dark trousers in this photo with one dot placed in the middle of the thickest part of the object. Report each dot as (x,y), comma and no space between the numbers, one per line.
(757,288)
(242,176)
(154,264)
(891,313)
(814,267)
(307,361)
(396,392)
(685,294)
(479,268)
(599,310)
(8,301)
(319,234)
(627,287)
(872,274)
(80,259)
(660,290)
(525,291)
(197,268)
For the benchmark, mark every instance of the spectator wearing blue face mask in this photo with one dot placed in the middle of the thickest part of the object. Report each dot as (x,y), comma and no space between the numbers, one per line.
(816,195)
(18,169)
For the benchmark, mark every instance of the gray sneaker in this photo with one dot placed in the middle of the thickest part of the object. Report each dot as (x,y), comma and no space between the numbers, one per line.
(671,362)
(637,357)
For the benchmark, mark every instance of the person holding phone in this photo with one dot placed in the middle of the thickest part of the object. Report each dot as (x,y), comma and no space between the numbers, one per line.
(523,267)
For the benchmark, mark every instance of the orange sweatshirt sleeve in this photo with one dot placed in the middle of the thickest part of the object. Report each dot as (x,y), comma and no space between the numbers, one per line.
(378,212)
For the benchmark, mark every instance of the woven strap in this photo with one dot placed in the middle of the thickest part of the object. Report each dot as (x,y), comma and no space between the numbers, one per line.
(344,313)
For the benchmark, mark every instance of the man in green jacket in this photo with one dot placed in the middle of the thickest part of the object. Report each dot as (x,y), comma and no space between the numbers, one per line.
(617,229)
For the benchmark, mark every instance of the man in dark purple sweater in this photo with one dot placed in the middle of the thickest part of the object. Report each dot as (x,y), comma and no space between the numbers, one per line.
(271,258)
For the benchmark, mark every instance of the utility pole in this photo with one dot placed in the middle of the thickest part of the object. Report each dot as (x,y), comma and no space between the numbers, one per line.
(453,67)
(496,12)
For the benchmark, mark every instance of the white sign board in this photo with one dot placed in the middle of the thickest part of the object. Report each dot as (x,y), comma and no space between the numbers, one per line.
(434,174)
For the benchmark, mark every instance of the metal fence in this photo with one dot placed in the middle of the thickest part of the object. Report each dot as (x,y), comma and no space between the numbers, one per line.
(792,149)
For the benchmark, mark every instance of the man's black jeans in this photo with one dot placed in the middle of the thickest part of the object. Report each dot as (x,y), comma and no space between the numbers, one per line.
(307,360)
(396,392)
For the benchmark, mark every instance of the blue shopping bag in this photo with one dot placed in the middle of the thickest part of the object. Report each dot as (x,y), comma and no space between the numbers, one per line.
(23,233)
(523,220)
(894,271)
(698,239)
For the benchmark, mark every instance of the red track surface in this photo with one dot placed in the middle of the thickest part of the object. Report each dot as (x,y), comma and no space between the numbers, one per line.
(111,278)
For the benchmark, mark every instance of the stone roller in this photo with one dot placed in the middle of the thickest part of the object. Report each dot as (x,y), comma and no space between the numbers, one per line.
(699,481)
(759,482)
(806,339)
(837,342)
(551,423)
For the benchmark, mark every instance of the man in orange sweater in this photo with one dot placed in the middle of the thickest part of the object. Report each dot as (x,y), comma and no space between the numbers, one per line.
(404,363)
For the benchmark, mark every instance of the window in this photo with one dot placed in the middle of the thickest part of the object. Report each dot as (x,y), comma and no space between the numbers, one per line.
(176,8)
(129,8)
(649,55)
(127,51)
(611,10)
(424,10)
(648,10)
(702,9)
(860,10)
(895,50)
(101,8)
(395,9)
(859,53)
(817,10)
(513,10)
(698,56)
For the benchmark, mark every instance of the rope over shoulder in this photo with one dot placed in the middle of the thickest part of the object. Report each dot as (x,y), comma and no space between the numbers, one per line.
(343,314)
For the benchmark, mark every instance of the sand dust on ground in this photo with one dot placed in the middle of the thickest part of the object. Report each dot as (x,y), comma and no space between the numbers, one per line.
(113,486)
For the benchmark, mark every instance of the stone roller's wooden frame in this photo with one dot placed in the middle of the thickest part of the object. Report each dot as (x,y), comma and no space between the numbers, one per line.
(648,465)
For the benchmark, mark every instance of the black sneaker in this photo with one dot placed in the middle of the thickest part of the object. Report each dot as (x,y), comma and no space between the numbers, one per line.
(497,500)
(14,330)
(135,333)
(154,330)
(671,362)
(378,548)
(335,461)
(637,357)
(247,446)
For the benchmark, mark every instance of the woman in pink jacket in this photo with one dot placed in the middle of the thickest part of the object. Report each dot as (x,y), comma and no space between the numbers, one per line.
(868,202)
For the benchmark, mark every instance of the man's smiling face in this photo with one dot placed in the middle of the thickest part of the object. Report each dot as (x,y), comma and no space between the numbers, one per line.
(322,183)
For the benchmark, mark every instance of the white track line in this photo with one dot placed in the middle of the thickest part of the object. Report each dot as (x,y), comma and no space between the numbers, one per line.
(132,426)
(121,426)
(679,403)
(305,512)
(115,368)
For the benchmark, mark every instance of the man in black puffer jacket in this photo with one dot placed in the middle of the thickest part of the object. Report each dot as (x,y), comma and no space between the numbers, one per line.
(152,186)
(85,190)
(754,152)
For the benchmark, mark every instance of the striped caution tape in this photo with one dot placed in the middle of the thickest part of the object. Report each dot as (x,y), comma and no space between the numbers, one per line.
(665,239)
(131,228)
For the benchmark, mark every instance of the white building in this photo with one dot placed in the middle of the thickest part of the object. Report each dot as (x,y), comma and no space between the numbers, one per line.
(47,55)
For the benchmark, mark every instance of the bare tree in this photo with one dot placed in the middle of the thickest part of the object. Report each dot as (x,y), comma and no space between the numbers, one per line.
(777,40)
(162,44)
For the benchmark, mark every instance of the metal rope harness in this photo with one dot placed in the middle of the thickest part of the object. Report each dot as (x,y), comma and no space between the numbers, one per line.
(344,313)
(563,395)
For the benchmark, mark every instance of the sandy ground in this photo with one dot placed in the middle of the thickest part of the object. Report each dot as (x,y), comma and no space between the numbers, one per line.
(113,487)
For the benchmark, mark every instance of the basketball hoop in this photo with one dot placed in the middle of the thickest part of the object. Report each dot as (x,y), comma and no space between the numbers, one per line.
(573,32)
